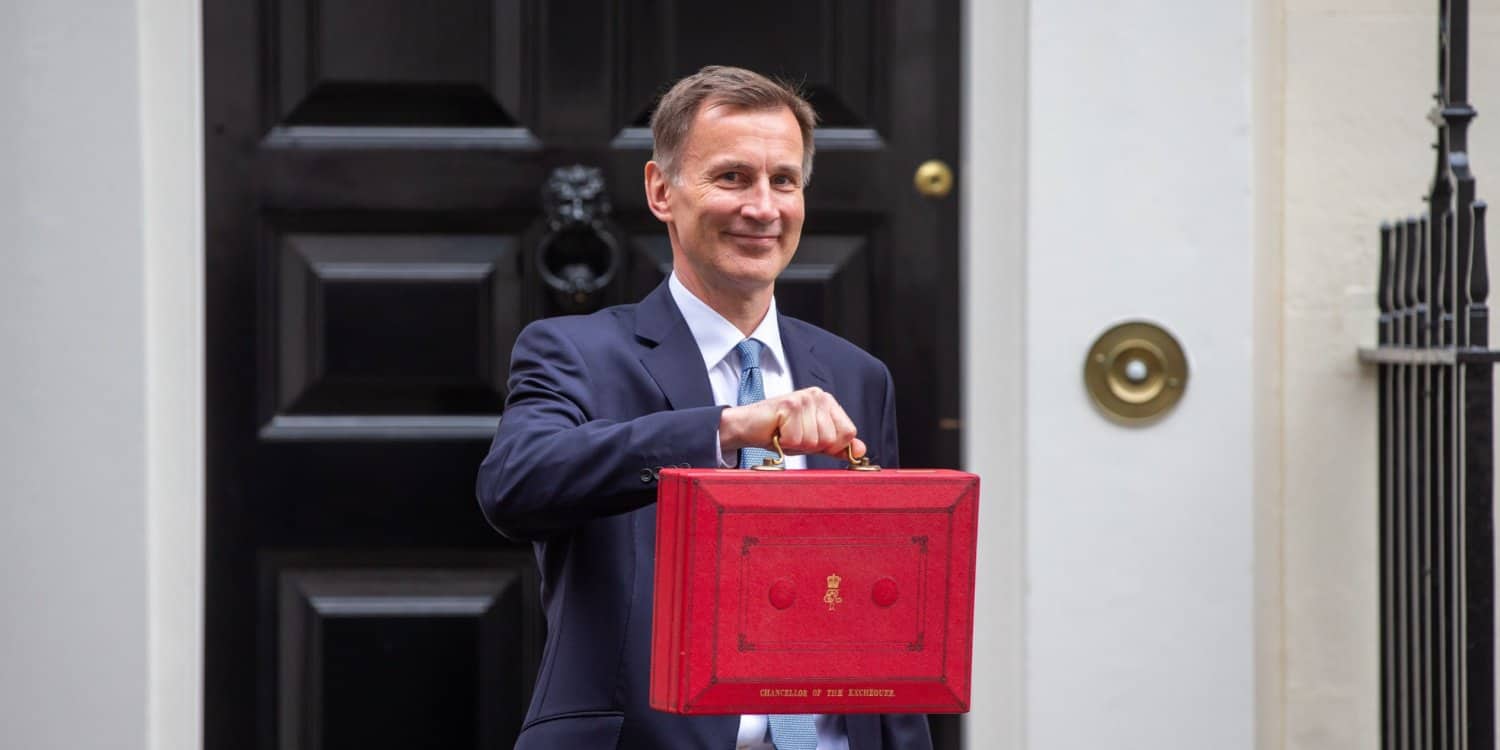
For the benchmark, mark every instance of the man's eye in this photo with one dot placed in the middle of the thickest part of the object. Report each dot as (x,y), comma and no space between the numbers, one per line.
(785,180)
(731,176)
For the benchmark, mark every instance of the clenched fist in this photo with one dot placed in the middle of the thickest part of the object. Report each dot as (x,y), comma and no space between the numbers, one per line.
(809,421)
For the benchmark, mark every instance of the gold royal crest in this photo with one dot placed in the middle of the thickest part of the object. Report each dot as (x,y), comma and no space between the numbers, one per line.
(832,598)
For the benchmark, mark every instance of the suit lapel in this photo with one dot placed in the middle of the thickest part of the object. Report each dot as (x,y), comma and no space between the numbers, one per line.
(807,370)
(673,358)
(676,364)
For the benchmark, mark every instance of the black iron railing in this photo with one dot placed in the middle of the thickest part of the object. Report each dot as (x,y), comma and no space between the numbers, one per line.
(1436,432)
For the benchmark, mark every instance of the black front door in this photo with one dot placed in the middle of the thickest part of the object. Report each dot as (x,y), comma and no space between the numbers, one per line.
(378,233)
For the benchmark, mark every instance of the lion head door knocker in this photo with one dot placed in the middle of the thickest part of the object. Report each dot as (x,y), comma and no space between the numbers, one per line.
(578,254)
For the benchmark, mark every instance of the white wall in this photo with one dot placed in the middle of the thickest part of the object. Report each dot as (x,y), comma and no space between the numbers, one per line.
(1267,96)
(992,191)
(100,234)
(1139,544)
(1140,540)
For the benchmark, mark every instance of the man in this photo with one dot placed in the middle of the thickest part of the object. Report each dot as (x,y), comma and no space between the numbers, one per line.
(702,373)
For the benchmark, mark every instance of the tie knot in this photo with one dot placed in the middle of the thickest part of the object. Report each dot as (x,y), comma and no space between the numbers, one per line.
(749,351)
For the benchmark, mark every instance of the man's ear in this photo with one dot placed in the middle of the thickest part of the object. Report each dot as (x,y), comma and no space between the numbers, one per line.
(658,191)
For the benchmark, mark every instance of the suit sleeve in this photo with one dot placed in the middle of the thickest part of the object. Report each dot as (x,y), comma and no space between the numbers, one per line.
(553,465)
(905,732)
(889,446)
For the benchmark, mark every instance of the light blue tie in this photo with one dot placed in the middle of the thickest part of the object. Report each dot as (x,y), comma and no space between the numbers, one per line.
(788,731)
(752,389)
(793,731)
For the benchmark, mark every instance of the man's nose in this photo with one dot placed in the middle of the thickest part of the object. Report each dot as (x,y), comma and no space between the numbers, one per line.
(758,205)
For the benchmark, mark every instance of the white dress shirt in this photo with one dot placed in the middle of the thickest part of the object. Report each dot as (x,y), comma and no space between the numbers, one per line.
(717,338)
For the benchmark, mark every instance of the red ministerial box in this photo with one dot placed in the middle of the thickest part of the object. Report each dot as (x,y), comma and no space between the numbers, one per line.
(820,591)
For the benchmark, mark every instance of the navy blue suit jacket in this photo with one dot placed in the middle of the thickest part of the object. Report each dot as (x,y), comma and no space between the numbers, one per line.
(598,405)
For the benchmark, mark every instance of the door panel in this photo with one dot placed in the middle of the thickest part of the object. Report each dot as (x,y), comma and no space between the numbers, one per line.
(396,63)
(830,47)
(343,350)
(379,656)
(375,173)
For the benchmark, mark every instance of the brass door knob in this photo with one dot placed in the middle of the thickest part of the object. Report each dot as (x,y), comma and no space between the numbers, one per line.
(1136,372)
(933,179)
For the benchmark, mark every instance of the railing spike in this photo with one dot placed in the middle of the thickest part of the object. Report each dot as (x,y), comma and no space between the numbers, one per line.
(1479,277)
(1423,263)
(1398,271)
(1413,264)
(1383,288)
(1440,243)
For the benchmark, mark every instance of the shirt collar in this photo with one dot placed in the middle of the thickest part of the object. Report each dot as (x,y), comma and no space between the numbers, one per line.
(717,337)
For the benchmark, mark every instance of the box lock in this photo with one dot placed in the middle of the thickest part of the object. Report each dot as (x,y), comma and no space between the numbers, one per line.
(1135,372)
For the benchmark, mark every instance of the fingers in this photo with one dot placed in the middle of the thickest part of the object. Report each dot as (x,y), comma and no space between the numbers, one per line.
(812,421)
(844,429)
(809,419)
(827,432)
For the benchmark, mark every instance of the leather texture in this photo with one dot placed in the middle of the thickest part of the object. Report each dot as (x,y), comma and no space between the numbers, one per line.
(818,591)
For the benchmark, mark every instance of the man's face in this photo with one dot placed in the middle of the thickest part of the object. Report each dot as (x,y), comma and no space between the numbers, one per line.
(735,210)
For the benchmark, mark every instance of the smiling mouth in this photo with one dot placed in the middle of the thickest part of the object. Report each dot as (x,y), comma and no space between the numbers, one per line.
(753,236)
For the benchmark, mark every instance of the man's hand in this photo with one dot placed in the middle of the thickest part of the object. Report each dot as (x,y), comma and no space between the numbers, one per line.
(809,420)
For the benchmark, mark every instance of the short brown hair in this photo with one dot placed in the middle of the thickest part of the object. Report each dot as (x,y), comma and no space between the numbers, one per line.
(734,87)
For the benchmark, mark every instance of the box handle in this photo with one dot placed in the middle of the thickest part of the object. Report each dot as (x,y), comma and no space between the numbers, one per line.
(778,463)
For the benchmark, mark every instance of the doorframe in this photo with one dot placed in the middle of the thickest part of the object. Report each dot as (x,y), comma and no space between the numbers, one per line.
(992,279)
(168,36)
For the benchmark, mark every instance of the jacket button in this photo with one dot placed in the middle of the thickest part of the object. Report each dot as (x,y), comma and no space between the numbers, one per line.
(646,476)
